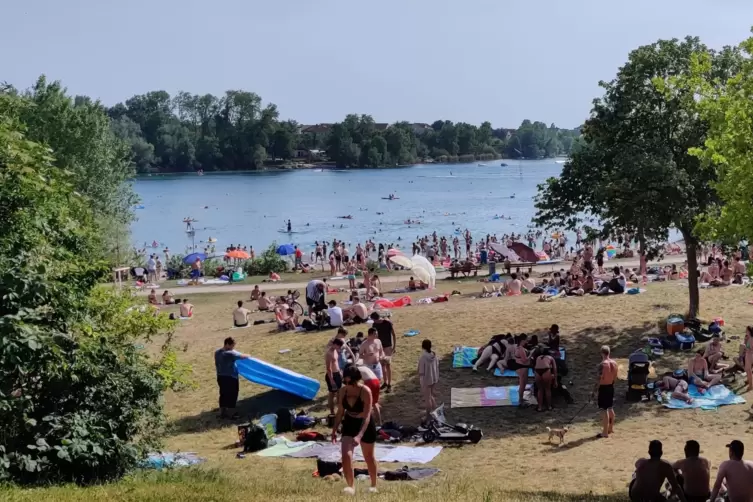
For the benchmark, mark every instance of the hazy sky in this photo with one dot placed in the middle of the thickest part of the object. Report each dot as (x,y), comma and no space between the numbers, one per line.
(416,60)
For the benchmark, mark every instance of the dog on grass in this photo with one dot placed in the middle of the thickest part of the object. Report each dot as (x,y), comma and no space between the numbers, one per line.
(560,433)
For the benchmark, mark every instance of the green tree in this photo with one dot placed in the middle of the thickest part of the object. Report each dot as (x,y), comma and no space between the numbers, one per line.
(79,401)
(726,105)
(634,172)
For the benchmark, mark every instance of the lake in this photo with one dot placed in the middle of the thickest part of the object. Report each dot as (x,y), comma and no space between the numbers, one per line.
(252,208)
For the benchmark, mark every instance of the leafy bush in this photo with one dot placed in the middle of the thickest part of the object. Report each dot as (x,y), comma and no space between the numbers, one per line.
(467,158)
(176,269)
(78,400)
(266,262)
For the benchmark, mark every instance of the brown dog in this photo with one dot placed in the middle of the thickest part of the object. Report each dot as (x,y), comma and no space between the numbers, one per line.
(560,433)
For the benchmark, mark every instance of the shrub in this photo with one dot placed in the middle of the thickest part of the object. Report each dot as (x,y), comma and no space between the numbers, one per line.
(176,269)
(268,261)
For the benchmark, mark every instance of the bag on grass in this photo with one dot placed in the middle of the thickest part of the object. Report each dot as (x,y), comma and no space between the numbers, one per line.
(256,439)
(285,418)
(326,468)
(303,422)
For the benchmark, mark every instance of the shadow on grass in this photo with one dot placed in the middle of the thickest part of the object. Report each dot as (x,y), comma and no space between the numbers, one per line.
(248,409)
(404,405)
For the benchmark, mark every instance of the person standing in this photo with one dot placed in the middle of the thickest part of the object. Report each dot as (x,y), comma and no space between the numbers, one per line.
(428,375)
(151,269)
(605,391)
(227,377)
(196,271)
(354,411)
(386,333)
(298,258)
(333,376)
(737,473)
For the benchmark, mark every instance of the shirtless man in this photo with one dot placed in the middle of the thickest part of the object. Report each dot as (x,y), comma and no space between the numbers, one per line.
(739,270)
(696,473)
(650,475)
(605,391)
(713,354)
(186,309)
(153,298)
(255,293)
(372,353)
(264,301)
(333,375)
(726,274)
(698,372)
(514,285)
(528,283)
(356,313)
(737,473)
(678,387)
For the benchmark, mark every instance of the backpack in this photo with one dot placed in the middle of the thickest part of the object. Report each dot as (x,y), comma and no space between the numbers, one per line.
(285,419)
(303,422)
(326,468)
(256,439)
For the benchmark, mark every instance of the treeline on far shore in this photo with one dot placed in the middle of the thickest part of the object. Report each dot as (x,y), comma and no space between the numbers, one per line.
(237,131)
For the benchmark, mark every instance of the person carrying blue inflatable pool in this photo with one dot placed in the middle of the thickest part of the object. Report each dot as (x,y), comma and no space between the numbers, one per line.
(227,377)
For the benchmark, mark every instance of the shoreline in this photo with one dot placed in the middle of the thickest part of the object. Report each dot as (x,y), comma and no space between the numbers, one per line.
(441,276)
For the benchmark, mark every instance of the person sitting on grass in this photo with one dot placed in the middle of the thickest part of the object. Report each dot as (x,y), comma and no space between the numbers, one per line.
(264,302)
(357,313)
(287,319)
(650,476)
(528,283)
(695,473)
(240,316)
(714,353)
(678,387)
(153,298)
(167,298)
(735,474)
(186,309)
(514,285)
(255,293)
(698,373)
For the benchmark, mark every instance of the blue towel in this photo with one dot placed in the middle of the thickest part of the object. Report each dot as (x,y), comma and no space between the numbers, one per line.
(716,396)
(412,332)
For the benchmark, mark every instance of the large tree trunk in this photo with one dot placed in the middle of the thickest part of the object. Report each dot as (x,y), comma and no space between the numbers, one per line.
(691,248)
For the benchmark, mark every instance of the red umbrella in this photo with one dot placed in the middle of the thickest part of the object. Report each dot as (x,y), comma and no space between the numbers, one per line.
(238,253)
(527,254)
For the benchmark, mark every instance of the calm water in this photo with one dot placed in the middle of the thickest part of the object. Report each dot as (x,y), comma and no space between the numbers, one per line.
(251,208)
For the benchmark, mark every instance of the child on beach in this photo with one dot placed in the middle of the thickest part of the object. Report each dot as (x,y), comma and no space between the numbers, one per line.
(332,263)
(350,269)
(428,373)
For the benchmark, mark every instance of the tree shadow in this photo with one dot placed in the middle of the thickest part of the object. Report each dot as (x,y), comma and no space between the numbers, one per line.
(404,405)
(249,409)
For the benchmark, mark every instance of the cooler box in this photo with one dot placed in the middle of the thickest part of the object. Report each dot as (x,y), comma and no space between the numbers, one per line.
(675,324)
(686,340)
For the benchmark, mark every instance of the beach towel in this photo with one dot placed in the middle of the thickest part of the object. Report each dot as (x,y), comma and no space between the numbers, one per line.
(715,396)
(462,357)
(488,396)
(282,448)
(412,332)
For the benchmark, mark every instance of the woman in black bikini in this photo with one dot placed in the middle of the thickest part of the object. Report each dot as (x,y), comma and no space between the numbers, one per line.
(545,368)
(518,362)
(358,428)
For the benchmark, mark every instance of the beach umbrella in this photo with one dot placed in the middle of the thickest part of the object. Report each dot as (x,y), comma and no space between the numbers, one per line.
(422,274)
(611,251)
(393,252)
(191,258)
(527,254)
(237,253)
(421,263)
(401,260)
(285,249)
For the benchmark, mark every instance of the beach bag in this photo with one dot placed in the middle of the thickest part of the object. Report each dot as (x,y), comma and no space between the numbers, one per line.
(285,419)
(325,468)
(303,422)
(256,439)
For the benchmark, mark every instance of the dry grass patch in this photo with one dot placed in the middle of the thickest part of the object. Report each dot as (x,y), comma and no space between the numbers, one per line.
(514,451)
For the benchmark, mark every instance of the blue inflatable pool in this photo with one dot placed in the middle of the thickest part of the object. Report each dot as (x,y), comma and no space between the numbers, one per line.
(278,378)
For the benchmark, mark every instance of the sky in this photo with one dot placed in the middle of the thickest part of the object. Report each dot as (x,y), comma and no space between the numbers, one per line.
(318,60)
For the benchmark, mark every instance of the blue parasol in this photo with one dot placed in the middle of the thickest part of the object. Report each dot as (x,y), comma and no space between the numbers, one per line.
(192,257)
(285,249)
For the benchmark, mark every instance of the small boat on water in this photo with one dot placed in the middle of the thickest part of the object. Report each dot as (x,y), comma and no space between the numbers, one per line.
(503,164)
(482,165)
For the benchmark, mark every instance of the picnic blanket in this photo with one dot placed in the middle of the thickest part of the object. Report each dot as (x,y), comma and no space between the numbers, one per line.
(283,447)
(481,397)
(715,396)
(383,453)
(512,374)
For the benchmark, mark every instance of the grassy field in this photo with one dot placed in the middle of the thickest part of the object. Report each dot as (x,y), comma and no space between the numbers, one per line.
(514,462)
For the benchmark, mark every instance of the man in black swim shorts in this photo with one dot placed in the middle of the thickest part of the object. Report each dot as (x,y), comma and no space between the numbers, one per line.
(605,391)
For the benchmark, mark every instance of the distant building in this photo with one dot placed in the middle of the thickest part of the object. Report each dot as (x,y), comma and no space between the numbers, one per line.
(381,126)
(420,128)
(311,155)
